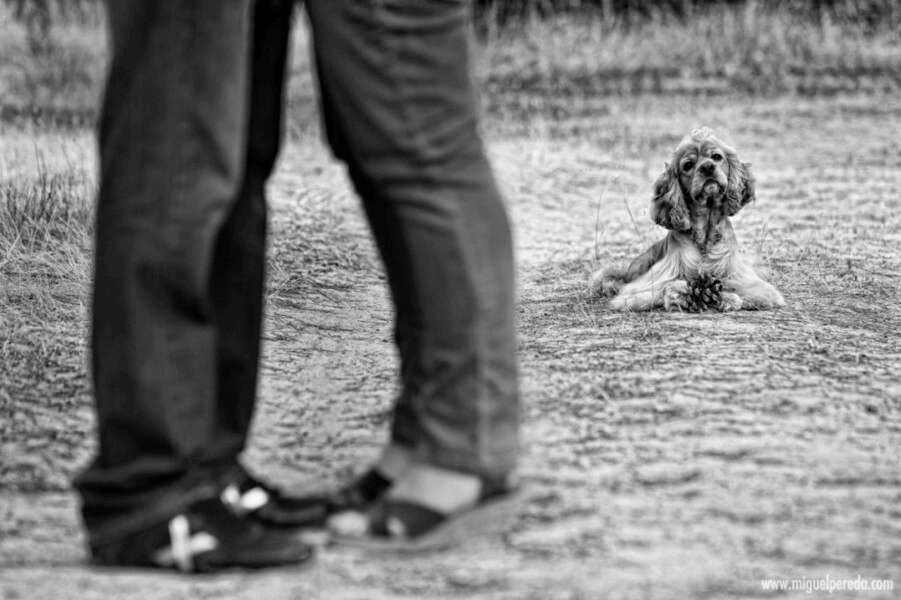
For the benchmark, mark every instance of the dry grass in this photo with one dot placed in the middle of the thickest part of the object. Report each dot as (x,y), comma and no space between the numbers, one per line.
(746,49)
(46,224)
(46,219)
(537,65)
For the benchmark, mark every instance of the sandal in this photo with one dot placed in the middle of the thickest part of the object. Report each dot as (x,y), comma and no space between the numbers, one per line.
(404,526)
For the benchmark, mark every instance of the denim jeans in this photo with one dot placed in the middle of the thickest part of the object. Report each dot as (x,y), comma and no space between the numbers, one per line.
(189,132)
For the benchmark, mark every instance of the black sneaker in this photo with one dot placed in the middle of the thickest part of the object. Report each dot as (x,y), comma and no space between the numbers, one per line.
(255,499)
(206,537)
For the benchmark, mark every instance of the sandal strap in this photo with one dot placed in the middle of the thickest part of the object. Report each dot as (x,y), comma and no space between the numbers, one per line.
(403,520)
(497,486)
(365,490)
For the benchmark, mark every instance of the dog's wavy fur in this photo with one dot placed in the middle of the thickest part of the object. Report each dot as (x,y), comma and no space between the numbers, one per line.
(703,185)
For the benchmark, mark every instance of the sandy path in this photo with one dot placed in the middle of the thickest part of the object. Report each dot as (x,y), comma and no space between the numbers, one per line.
(671,456)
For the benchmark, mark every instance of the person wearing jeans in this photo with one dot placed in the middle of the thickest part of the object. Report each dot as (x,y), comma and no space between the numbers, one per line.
(188,136)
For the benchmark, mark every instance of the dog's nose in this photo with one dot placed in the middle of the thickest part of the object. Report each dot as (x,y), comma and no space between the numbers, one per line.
(707,169)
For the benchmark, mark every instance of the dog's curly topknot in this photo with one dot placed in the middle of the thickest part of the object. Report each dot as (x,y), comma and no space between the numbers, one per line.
(701,133)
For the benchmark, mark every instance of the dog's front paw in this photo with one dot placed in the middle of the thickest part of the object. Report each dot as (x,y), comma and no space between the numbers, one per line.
(606,283)
(730,302)
(675,295)
(611,287)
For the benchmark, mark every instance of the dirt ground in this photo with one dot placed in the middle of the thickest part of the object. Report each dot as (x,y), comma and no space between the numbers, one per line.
(669,456)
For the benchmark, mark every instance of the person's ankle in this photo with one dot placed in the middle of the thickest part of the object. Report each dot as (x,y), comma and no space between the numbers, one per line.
(394,461)
(438,488)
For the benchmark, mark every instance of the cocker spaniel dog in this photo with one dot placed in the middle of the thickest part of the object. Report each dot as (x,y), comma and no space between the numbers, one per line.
(698,264)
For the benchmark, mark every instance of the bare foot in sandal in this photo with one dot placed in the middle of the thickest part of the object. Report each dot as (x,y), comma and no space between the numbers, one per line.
(429,508)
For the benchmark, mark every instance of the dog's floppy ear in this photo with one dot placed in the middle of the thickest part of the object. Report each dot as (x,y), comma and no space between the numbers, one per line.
(740,188)
(668,208)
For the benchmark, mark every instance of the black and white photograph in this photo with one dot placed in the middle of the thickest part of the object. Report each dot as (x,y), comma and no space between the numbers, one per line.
(450,299)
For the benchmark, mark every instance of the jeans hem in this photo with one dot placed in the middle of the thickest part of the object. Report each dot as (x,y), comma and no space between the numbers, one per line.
(148,515)
(495,466)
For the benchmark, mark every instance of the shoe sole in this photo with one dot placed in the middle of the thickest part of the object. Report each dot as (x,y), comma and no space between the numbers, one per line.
(302,564)
(486,518)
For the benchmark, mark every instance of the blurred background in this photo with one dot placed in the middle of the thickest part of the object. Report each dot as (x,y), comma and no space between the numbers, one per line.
(536,56)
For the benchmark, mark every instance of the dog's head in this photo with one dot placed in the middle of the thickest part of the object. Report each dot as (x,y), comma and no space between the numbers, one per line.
(704,172)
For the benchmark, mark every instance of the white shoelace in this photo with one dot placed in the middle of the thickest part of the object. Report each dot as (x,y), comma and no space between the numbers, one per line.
(249,501)
(184,546)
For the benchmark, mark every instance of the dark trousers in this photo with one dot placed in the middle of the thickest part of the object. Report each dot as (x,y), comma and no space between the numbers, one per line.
(189,133)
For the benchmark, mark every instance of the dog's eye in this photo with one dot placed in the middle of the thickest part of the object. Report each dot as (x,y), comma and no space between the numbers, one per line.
(688,166)
(717,156)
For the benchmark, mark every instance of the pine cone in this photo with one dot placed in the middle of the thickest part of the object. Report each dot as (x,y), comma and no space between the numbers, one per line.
(704,292)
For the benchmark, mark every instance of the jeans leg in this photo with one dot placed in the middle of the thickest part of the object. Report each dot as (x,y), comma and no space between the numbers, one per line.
(239,266)
(400,108)
(172,149)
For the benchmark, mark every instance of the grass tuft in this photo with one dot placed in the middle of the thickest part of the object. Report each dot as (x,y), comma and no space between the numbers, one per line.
(46,229)
(49,210)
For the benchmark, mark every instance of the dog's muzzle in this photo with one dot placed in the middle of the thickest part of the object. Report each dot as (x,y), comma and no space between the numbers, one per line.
(709,180)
